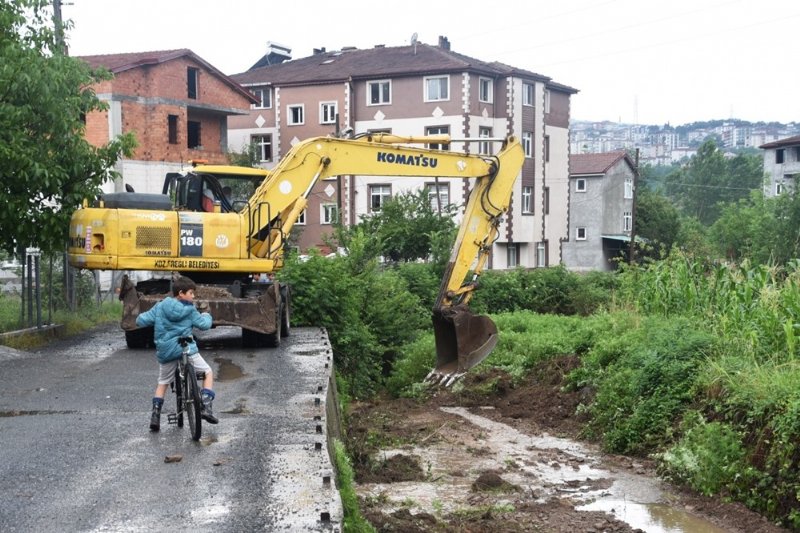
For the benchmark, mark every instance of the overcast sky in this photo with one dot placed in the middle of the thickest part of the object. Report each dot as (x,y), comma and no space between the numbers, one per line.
(643,61)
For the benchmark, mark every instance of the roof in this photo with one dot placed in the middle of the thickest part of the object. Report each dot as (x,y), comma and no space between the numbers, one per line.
(117,63)
(789,141)
(596,164)
(381,61)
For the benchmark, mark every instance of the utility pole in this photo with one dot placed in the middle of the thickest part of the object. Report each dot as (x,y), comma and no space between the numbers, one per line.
(58,22)
(632,248)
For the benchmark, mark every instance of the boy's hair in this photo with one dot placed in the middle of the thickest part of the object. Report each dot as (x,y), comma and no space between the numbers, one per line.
(182,284)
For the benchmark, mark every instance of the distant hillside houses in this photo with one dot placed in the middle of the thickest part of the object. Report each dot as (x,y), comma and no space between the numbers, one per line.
(665,145)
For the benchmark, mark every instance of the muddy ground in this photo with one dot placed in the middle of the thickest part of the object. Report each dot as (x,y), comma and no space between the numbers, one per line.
(508,459)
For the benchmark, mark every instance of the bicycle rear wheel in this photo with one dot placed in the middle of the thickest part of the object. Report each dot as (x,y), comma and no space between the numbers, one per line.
(178,400)
(192,401)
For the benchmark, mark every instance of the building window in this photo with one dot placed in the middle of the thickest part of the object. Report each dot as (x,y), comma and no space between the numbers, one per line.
(527,200)
(485,147)
(580,234)
(296,115)
(547,148)
(780,188)
(378,196)
(541,254)
(379,92)
(485,93)
(438,130)
(513,254)
(264,96)
(627,221)
(628,187)
(301,220)
(527,94)
(440,200)
(329,214)
(192,75)
(580,185)
(172,129)
(327,112)
(779,156)
(547,200)
(797,153)
(263,144)
(527,143)
(546,101)
(437,88)
(193,134)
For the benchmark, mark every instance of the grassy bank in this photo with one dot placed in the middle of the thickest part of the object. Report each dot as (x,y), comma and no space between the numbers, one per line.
(694,365)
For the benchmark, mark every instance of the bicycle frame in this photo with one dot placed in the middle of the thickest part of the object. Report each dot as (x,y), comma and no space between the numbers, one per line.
(187,393)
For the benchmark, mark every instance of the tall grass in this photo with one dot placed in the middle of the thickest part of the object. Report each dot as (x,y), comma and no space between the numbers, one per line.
(755,306)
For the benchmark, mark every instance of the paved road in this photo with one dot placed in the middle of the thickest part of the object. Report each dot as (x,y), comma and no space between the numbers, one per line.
(76,453)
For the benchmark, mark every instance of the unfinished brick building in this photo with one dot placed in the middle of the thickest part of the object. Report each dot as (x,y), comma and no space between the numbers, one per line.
(175,103)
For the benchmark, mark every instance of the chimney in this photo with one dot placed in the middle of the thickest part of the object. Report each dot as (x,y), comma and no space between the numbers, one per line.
(318,51)
(277,53)
(444,43)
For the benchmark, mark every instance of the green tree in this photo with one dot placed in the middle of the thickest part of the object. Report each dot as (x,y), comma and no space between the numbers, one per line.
(46,165)
(657,221)
(696,187)
(408,228)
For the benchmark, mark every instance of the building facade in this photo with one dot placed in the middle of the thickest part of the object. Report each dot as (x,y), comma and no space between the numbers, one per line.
(601,200)
(417,90)
(175,103)
(781,165)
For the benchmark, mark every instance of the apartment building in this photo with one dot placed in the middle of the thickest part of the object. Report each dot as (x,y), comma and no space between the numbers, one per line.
(175,103)
(417,89)
(781,165)
(600,210)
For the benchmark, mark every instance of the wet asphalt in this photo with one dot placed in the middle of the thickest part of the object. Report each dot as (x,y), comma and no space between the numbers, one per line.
(76,453)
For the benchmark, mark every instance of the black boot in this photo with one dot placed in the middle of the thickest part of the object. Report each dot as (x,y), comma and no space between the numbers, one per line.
(155,418)
(207,413)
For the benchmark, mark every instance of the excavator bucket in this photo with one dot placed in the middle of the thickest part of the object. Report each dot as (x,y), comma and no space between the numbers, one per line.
(463,339)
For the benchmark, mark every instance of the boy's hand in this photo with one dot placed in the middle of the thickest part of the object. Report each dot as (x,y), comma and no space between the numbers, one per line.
(202,307)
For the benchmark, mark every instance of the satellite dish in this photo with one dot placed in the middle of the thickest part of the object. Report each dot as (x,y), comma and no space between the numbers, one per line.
(414,38)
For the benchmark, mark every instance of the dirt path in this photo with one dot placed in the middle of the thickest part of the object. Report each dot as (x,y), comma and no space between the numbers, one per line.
(499,459)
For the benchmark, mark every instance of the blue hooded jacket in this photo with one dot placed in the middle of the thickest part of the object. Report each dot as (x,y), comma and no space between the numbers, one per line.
(173,319)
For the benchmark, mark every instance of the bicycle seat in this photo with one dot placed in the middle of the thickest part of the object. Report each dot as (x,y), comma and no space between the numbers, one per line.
(183,341)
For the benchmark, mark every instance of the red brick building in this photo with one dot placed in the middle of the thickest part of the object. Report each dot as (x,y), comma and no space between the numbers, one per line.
(175,103)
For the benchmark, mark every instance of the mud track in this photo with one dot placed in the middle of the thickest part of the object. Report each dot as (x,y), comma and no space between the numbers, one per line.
(498,458)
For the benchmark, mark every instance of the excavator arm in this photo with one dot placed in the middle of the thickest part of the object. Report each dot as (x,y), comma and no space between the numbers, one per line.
(462,338)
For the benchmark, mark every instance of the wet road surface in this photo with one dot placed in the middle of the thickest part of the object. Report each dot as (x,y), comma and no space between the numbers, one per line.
(76,453)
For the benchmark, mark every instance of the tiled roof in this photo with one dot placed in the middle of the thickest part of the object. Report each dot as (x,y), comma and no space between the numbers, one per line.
(582,164)
(117,63)
(789,141)
(341,65)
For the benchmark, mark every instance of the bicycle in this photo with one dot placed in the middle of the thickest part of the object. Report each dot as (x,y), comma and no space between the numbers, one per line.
(187,393)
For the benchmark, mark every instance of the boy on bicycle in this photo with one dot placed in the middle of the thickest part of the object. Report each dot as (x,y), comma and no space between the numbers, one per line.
(174,318)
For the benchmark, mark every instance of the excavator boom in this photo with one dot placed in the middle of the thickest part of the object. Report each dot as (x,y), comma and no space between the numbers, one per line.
(225,241)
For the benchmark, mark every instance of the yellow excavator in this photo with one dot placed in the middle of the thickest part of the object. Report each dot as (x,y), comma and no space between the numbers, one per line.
(226,227)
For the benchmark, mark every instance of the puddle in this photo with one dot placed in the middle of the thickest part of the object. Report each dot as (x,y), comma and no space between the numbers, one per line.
(228,371)
(568,468)
(652,517)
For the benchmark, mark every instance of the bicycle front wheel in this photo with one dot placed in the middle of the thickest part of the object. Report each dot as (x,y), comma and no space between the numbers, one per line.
(193,402)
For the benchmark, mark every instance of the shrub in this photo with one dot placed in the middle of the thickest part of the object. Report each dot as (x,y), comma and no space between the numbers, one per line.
(708,457)
(644,378)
